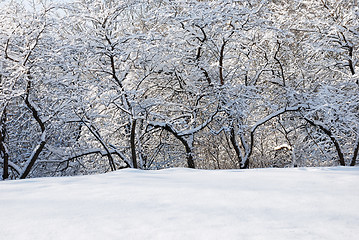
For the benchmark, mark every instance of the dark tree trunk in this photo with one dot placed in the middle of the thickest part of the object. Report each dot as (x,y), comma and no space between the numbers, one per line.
(190,160)
(96,134)
(38,149)
(235,145)
(183,140)
(350,61)
(189,152)
(220,67)
(3,149)
(355,154)
(332,138)
(133,143)
(33,159)
(5,174)
(249,149)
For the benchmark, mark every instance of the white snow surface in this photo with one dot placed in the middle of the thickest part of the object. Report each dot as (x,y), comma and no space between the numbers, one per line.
(301,203)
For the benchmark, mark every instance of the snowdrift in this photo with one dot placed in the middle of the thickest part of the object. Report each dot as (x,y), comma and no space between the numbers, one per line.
(302,203)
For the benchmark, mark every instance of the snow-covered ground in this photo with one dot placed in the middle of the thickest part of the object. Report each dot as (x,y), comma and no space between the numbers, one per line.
(303,203)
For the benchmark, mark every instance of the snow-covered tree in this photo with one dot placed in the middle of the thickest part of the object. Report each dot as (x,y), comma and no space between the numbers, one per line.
(91,86)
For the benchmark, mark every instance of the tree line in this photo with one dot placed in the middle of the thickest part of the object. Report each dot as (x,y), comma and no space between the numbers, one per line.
(90,86)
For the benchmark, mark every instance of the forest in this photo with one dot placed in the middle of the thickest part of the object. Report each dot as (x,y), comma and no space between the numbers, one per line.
(92,86)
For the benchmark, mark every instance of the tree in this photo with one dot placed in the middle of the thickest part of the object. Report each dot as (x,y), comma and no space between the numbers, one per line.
(327,34)
(94,86)
(35,97)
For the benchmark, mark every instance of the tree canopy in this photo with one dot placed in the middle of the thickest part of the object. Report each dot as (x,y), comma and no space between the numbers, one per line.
(89,86)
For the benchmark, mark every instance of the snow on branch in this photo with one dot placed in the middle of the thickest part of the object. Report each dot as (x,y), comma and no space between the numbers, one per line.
(17,169)
(275,114)
(98,151)
(198,128)
(249,149)
(329,133)
(182,133)
(33,157)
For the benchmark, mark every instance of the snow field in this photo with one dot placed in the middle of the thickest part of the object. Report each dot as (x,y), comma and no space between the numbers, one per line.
(302,203)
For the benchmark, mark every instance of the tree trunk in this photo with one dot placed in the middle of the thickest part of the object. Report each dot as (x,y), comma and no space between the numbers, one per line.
(35,154)
(220,67)
(5,154)
(5,174)
(3,149)
(190,160)
(188,147)
(183,140)
(235,145)
(332,138)
(133,143)
(38,149)
(355,154)
(96,134)
(249,149)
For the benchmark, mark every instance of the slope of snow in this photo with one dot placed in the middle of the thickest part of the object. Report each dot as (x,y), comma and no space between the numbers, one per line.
(303,203)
